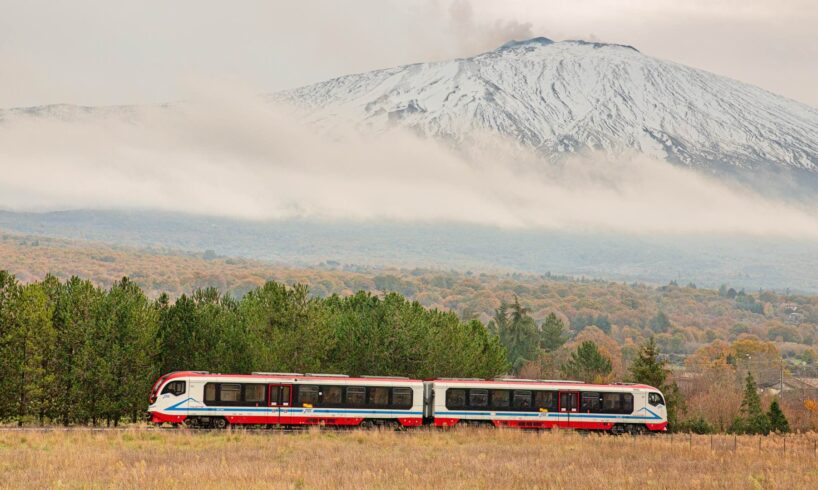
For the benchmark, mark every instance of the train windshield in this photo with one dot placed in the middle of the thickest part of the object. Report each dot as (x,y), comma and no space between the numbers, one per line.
(655,399)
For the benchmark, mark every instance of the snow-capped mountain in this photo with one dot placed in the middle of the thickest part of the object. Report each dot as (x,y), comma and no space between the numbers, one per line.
(561,98)
(564,97)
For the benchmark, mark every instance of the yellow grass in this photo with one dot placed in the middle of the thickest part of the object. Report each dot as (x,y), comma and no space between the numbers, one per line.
(424,459)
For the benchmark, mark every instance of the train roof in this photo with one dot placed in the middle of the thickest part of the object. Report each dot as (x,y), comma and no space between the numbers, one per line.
(558,384)
(288,376)
(541,382)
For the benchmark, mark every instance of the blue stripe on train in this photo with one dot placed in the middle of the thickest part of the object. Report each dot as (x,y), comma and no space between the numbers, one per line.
(178,408)
(652,416)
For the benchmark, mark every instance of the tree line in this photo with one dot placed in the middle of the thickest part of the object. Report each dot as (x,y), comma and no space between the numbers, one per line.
(74,353)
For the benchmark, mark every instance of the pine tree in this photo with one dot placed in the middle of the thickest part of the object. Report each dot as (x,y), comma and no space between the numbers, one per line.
(517,332)
(587,364)
(778,421)
(660,323)
(751,419)
(648,368)
(552,333)
(28,348)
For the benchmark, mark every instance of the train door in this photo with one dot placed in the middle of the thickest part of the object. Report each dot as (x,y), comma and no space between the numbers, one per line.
(281,398)
(568,406)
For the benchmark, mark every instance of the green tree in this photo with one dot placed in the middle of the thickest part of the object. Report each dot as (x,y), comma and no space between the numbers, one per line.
(27,351)
(73,319)
(649,368)
(751,419)
(289,329)
(517,332)
(9,301)
(660,323)
(778,421)
(587,364)
(119,355)
(552,333)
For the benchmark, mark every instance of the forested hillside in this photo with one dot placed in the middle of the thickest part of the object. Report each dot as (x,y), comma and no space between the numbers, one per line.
(682,317)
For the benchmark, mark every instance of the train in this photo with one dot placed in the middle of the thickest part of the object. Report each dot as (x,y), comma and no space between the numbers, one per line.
(205,400)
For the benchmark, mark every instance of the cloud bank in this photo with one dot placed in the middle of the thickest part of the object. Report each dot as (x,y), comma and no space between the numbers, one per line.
(234,156)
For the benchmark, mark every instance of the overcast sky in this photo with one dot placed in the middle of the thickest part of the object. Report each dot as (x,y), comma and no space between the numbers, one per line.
(104,52)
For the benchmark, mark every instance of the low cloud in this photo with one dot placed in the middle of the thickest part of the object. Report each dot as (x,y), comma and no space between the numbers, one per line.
(239,157)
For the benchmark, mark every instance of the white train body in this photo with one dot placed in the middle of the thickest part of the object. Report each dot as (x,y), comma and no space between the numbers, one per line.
(215,400)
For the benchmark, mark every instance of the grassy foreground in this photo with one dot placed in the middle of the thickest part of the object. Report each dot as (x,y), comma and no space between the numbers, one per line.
(358,459)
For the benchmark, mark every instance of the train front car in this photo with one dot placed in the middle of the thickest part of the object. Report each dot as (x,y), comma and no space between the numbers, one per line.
(286,399)
(537,404)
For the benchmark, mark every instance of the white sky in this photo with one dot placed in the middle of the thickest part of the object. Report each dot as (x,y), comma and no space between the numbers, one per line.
(106,52)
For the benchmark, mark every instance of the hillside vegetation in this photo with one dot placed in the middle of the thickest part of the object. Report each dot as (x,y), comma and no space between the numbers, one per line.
(681,316)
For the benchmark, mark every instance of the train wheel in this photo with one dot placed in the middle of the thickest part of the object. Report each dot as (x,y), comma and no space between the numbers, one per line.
(636,430)
(618,429)
(367,424)
(219,423)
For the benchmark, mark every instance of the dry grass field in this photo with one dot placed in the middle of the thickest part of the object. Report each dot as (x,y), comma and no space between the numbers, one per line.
(424,459)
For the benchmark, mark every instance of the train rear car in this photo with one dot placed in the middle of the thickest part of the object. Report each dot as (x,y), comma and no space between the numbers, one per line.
(545,404)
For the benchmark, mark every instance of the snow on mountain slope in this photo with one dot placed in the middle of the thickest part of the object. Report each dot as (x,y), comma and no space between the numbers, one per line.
(564,97)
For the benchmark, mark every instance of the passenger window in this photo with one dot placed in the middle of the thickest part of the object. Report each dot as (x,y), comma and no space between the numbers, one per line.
(356,396)
(455,398)
(254,393)
(545,400)
(627,403)
(402,397)
(285,396)
(500,399)
(522,400)
(611,403)
(655,399)
(210,392)
(331,395)
(589,402)
(175,388)
(307,394)
(478,398)
(230,393)
(378,396)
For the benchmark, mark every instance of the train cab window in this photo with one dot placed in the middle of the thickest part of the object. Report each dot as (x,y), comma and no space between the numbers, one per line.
(175,388)
(307,394)
(590,402)
(522,400)
(500,399)
(478,398)
(230,392)
(378,396)
(655,399)
(255,393)
(331,395)
(545,400)
(402,397)
(210,392)
(455,398)
(356,396)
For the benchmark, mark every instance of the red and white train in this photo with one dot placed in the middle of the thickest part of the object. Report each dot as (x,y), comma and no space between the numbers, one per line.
(201,399)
